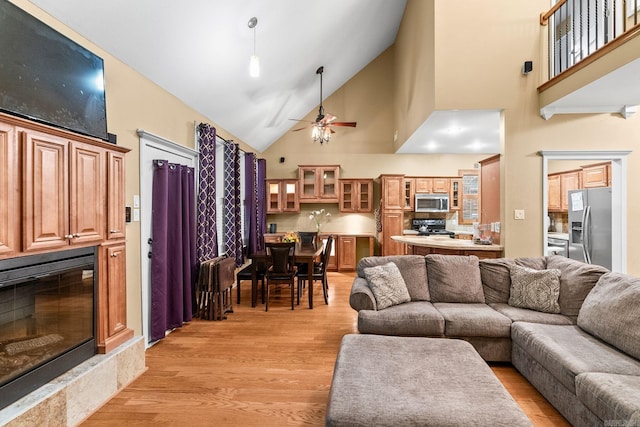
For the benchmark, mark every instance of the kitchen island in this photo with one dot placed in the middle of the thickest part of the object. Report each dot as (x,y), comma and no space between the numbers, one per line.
(424,245)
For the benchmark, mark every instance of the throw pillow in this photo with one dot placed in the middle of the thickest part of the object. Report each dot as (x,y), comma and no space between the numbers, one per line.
(387,285)
(454,278)
(535,289)
(412,267)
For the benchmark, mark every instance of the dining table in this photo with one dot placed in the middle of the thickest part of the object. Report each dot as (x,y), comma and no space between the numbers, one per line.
(304,254)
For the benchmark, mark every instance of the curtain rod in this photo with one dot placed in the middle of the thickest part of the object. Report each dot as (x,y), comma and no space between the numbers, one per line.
(197,145)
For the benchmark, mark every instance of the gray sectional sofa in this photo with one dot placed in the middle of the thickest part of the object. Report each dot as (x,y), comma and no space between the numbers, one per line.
(572,329)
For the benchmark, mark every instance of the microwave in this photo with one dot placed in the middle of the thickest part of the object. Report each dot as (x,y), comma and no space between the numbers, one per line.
(432,203)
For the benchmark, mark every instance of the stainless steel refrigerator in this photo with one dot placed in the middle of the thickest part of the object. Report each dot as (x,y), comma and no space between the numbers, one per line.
(590,226)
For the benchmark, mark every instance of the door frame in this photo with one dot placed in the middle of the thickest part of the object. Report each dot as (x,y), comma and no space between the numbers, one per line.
(149,142)
(618,198)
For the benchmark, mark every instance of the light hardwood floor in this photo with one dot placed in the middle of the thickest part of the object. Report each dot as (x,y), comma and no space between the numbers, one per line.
(260,368)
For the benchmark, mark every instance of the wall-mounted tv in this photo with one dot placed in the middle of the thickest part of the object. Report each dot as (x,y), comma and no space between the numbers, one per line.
(47,77)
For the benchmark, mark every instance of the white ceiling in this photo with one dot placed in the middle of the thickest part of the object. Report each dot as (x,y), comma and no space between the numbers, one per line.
(199,51)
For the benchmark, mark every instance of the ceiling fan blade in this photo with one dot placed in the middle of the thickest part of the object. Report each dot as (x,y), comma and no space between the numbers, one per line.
(299,120)
(302,128)
(350,124)
(329,118)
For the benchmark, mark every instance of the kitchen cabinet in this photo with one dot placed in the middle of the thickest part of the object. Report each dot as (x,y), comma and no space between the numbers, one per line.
(318,184)
(455,194)
(470,197)
(482,254)
(63,192)
(9,203)
(116,220)
(409,194)
(392,212)
(356,195)
(346,253)
(432,185)
(112,298)
(282,195)
(597,175)
(558,187)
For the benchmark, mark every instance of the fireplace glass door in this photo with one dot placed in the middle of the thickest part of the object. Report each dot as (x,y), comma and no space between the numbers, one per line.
(46,318)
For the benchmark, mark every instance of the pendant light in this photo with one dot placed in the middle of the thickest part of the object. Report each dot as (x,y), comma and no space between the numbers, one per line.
(254,61)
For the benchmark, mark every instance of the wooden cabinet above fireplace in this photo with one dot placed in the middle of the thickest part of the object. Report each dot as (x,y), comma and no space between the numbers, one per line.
(60,190)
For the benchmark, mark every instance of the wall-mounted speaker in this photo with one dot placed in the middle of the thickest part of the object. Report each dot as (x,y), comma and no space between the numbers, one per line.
(281,159)
(527,67)
(112,137)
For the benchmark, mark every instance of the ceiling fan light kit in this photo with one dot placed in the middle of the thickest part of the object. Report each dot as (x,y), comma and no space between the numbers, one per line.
(321,128)
(254,61)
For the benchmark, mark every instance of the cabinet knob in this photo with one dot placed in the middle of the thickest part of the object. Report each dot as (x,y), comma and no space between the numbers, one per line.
(114,254)
(68,236)
(76,235)
(114,231)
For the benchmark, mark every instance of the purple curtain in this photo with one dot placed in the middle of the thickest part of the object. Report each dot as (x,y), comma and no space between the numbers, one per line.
(255,204)
(232,203)
(173,248)
(261,176)
(207,234)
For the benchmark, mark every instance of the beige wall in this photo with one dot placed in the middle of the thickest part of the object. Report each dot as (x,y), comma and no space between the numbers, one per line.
(134,102)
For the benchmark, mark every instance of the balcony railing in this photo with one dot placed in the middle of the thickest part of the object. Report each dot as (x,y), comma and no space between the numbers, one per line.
(578,28)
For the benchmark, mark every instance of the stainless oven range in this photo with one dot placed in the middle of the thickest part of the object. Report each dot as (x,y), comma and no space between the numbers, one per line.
(431,227)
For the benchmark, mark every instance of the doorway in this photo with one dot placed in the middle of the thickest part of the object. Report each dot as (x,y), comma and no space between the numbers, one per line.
(154,147)
(618,161)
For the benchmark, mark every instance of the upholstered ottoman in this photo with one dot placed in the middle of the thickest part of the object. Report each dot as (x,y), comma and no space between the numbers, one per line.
(407,381)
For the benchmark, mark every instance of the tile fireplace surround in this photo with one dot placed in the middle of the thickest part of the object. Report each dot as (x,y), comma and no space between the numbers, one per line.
(76,394)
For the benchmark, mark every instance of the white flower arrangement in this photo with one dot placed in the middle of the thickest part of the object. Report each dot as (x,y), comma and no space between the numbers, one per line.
(318,217)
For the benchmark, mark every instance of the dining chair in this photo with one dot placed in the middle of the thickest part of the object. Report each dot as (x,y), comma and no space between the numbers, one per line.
(319,271)
(281,267)
(245,274)
(308,237)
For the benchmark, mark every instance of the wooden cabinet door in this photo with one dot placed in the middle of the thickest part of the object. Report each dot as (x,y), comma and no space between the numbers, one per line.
(455,194)
(289,190)
(45,192)
(346,253)
(348,196)
(554,193)
(424,185)
(440,185)
(116,220)
(365,195)
(409,194)
(596,175)
(274,201)
(568,181)
(9,204)
(86,196)
(112,298)
(470,208)
(328,178)
(319,184)
(392,192)
(309,183)
(392,225)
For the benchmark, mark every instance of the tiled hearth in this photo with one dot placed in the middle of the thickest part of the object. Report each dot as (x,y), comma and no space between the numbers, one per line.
(73,396)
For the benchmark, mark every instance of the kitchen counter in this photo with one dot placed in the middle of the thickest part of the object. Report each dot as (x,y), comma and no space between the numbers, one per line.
(423,245)
(555,235)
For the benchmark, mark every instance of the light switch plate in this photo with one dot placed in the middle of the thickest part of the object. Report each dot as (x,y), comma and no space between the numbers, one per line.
(136,215)
(518,214)
(136,200)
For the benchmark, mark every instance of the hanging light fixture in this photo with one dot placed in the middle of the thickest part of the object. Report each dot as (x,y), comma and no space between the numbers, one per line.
(320,133)
(254,61)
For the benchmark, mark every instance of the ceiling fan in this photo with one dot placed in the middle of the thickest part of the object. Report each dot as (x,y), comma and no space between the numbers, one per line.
(322,126)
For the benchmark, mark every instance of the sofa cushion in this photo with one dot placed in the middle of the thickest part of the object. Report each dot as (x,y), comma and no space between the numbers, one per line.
(412,267)
(387,285)
(576,280)
(416,318)
(567,351)
(517,314)
(611,312)
(535,289)
(496,280)
(610,396)
(454,278)
(473,320)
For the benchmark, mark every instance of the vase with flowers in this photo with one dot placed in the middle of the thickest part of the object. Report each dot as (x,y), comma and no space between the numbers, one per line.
(318,217)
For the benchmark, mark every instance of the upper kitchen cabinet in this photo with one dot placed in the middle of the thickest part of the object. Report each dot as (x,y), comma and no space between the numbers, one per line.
(559,185)
(432,185)
(470,197)
(63,193)
(597,175)
(356,195)
(455,194)
(9,203)
(282,195)
(409,194)
(319,184)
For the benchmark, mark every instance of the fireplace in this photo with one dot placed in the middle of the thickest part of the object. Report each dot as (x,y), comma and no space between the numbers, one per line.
(47,318)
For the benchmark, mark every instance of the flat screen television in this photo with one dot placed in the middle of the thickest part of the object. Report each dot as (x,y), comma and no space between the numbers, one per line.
(49,78)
